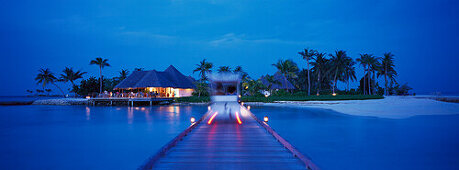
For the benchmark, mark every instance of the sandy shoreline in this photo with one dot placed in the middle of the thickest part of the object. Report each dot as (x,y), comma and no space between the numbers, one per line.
(395,107)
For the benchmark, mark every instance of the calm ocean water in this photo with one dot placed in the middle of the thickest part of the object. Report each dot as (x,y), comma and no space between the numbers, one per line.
(337,141)
(80,137)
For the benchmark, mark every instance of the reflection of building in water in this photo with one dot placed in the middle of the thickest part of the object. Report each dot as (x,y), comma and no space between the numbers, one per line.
(225,87)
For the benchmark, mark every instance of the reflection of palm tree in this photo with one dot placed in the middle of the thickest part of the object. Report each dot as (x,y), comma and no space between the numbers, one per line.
(203,68)
(45,76)
(288,68)
(224,69)
(319,66)
(338,62)
(101,63)
(70,75)
(307,55)
(388,70)
(123,74)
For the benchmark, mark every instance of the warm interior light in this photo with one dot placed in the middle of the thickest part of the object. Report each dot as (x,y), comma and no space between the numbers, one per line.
(88,97)
(238,119)
(265,119)
(334,94)
(212,118)
(192,120)
(266,95)
(242,103)
(239,96)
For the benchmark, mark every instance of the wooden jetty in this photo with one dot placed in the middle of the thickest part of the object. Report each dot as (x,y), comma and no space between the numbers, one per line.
(245,143)
(128,101)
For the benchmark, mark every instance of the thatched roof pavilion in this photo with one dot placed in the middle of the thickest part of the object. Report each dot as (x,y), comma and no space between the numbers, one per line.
(167,83)
(283,82)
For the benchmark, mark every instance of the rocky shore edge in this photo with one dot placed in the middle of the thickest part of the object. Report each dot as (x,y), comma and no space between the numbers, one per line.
(61,101)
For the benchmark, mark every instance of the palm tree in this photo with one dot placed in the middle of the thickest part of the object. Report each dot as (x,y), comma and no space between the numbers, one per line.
(71,76)
(288,68)
(307,55)
(271,81)
(319,66)
(139,69)
(101,63)
(349,72)
(224,69)
(123,74)
(373,66)
(363,60)
(388,70)
(45,76)
(203,68)
(338,63)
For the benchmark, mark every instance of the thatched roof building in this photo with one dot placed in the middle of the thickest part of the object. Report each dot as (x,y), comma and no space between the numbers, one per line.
(168,83)
(283,82)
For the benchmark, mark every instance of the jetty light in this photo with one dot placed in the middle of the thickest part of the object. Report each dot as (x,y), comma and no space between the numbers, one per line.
(265,119)
(334,94)
(248,107)
(88,97)
(192,120)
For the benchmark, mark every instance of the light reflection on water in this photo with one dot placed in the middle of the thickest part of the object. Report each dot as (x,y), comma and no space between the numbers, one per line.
(337,141)
(87,137)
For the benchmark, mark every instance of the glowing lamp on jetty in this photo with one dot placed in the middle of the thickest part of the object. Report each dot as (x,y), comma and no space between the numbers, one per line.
(334,94)
(265,119)
(192,120)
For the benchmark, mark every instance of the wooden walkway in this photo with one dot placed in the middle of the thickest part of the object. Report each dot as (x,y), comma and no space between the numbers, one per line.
(229,145)
(128,101)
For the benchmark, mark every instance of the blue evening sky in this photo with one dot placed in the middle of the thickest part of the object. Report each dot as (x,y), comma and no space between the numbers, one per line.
(423,35)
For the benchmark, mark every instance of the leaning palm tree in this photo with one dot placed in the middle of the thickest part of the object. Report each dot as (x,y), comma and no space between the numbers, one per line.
(319,66)
(203,68)
(307,55)
(288,68)
(224,69)
(338,63)
(388,70)
(123,74)
(71,76)
(45,76)
(101,63)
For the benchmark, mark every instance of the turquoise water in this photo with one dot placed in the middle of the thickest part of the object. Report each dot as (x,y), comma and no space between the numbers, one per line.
(80,137)
(337,141)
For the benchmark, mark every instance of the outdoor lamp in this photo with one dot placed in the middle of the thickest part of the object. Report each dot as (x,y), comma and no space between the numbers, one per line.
(265,119)
(334,94)
(192,120)
(88,97)
(248,107)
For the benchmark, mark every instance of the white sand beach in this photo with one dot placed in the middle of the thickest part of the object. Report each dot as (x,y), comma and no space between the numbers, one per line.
(390,107)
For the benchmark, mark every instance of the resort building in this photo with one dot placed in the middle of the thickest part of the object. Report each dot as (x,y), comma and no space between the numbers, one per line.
(281,82)
(152,83)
